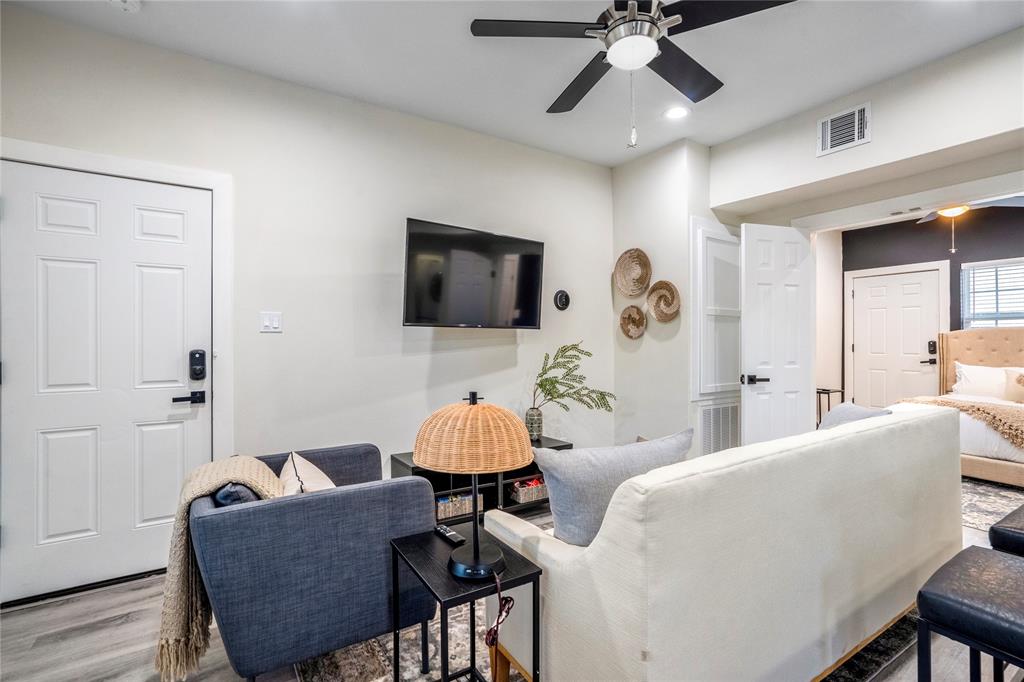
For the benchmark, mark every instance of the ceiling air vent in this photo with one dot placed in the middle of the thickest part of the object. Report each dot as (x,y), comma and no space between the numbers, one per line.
(844,130)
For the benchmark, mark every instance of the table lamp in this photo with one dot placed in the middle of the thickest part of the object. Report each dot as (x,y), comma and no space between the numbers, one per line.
(473,438)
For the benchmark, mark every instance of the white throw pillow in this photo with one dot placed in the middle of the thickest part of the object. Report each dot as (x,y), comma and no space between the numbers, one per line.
(299,475)
(1014,384)
(980,380)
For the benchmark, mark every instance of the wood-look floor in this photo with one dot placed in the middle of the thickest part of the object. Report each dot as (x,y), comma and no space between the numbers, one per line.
(110,634)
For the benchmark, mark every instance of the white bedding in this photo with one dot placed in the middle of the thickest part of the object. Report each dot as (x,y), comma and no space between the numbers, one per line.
(976,437)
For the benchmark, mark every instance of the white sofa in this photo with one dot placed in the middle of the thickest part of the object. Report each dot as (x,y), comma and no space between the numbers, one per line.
(769,561)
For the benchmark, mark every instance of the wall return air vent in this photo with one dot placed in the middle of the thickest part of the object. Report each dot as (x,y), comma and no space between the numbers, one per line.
(846,129)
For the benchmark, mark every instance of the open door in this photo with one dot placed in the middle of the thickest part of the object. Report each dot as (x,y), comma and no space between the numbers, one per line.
(776,333)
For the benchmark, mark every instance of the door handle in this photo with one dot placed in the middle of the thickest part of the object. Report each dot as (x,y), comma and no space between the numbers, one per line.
(195,398)
(929,361)
(753,379)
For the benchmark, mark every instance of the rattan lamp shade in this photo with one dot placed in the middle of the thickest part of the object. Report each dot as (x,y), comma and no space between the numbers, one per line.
(472,439)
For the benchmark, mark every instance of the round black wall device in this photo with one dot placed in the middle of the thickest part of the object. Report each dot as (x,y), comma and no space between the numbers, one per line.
(561,299)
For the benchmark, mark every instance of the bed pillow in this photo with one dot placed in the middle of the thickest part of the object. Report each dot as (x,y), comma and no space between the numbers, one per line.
(581,482)
(844,413)
(1014,384)
(980,380)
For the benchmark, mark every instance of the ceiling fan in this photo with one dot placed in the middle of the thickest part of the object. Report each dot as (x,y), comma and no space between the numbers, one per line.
(955,211)
(635,34)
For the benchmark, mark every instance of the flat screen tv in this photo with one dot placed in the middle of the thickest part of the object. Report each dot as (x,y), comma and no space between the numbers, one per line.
(455,277)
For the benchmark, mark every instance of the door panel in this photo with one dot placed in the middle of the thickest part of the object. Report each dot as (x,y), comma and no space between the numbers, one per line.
(777,333)
(894,318)
(104,288)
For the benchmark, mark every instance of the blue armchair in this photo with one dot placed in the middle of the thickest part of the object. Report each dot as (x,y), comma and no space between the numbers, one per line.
(298,576)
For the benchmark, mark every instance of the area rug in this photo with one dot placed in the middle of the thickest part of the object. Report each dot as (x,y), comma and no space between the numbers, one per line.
(985,503)
(371,661)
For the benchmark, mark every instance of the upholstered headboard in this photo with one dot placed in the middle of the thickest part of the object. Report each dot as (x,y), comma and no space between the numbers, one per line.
(995,347)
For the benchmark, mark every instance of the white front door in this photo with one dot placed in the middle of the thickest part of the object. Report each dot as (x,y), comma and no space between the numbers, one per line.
(895,317)
(776,333)
(105,288)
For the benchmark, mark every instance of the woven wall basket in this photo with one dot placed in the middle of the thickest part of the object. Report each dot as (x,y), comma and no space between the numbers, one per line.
(472,439)
(663,301)
(633,322)
(632,273)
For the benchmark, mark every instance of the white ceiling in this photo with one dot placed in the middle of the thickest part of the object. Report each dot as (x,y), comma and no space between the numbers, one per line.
(419,57)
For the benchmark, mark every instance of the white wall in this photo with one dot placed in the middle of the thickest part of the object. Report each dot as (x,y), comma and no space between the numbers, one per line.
(653,198)
(971,102)
(323,186)
(828,358)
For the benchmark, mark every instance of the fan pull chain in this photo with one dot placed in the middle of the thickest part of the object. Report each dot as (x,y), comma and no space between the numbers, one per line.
(632,144)
(952,235)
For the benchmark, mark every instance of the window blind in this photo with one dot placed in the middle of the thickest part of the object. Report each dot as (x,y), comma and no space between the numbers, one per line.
(992,294)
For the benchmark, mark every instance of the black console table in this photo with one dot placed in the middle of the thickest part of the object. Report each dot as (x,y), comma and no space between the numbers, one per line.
(496,489)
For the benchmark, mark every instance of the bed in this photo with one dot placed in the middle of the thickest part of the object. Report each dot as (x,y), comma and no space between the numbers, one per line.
(984,453)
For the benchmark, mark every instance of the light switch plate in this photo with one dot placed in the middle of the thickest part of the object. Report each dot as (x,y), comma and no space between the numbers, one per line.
(271,323)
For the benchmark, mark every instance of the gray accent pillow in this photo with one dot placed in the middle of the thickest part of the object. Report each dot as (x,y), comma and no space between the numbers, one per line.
(233,493)
(844,413)
(581,482)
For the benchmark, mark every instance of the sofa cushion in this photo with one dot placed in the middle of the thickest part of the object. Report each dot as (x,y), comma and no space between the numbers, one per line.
(233,493)
(978,594)
(845,413)
(581,482)
(1008,534)
(299,475)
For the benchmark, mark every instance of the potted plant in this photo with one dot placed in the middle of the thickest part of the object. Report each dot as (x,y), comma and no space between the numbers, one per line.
(560,382)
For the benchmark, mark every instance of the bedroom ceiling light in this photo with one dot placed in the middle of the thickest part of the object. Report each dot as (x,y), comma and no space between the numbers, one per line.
(676,113)
(953,212)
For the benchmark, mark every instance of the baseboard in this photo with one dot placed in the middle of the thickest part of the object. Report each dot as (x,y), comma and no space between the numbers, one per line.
(57,594)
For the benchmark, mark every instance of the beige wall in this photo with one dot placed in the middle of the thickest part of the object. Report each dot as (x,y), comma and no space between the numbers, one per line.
(966,106)
(653,199)
(828,358)
(323,186)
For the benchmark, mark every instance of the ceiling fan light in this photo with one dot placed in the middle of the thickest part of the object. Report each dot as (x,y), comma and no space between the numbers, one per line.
(632,52)
(953,211)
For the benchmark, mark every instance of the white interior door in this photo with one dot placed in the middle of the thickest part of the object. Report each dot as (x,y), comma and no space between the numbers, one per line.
(895,317)
(105,288)
(776,333)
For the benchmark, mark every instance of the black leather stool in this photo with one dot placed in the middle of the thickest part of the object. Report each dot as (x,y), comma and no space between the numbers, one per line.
(977,599)
(1008,534)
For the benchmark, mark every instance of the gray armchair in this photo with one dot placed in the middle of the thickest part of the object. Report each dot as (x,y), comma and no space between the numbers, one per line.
(298,576)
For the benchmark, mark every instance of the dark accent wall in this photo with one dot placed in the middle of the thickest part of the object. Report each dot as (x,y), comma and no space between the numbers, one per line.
(983,234)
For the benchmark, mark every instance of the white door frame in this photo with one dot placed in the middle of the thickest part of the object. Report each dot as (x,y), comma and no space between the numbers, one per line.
(942,266)
(222,187)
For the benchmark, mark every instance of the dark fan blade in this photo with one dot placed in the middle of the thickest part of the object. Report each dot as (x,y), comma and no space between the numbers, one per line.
(698,13)
(530,29)
(641,5)
(581,85)
(683,72)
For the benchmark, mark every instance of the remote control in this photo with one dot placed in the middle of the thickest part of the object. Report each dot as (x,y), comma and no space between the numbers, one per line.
(448,535)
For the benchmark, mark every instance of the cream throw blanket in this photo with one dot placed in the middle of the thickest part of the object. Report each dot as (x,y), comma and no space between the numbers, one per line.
(185,619)
(1006,420)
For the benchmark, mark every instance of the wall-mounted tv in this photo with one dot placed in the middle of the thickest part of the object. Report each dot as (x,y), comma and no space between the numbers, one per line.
(456,277)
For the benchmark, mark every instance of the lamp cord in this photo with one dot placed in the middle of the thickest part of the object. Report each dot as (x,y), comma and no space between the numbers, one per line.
(505,605)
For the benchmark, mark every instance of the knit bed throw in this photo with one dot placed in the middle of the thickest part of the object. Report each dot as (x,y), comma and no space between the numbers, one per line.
(1006,420)
(185,618)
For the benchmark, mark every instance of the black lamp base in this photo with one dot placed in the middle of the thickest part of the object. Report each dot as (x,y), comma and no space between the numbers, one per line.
(463,563)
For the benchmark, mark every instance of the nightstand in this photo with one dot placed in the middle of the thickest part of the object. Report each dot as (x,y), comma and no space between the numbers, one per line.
(426,554)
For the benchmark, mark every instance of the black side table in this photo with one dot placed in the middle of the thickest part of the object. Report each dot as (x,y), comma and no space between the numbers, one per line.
(427,555)
(827,392)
